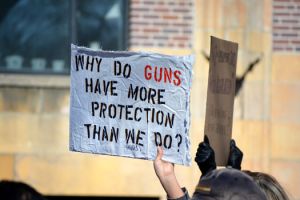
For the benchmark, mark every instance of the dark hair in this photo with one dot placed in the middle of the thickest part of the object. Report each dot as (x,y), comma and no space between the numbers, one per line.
(269,185)
(11,190)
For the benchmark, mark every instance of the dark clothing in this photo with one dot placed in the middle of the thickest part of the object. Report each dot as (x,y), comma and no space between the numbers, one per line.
(226,184)
(185,197)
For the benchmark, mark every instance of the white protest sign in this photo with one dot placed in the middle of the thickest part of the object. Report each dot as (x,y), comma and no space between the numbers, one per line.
(127,104)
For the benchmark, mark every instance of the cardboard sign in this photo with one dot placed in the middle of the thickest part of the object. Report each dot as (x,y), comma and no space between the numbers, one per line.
(127,104)
(220,97)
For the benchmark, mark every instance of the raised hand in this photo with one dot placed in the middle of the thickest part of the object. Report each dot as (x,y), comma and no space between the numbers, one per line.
(165,173)
(205,157)
(235,156)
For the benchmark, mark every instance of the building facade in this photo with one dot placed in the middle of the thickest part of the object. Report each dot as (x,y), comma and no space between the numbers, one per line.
(34,108)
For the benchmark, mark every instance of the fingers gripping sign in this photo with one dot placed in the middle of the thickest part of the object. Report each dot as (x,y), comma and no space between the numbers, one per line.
(166,175)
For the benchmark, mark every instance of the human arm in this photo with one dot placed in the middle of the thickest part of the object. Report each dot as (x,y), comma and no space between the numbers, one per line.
(166,175)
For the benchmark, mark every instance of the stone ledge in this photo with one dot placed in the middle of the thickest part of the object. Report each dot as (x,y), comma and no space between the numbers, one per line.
(36,81)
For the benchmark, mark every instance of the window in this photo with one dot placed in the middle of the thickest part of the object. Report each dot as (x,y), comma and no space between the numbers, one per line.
(35,35)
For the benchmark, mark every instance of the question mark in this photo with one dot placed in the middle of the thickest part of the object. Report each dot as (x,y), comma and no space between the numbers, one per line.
(180,140)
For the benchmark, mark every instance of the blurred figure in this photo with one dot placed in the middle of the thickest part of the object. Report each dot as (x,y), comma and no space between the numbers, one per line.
(215,184)
(220,184)
(11,190)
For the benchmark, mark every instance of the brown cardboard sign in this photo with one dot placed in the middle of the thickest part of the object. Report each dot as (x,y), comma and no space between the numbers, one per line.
(220,97)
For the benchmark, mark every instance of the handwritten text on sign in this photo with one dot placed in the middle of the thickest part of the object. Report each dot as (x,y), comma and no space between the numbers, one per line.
(220,97)
(127,104)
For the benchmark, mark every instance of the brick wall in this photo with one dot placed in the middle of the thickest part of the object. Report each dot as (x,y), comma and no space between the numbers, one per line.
(286,25)
(285,97)
(161,23)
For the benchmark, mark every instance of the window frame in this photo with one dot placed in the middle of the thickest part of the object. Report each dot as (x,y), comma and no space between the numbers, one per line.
(25,76)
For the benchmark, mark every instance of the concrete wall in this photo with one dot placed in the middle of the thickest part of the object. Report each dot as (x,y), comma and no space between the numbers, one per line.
(34,111)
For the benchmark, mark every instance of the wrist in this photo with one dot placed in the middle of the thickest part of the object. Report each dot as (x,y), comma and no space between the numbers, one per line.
(171,186)
(168,179)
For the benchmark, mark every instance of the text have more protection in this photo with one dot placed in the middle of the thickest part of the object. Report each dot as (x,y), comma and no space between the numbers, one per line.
(127,104)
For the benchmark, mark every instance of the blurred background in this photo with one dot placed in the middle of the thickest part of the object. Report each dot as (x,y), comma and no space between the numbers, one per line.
(35,37)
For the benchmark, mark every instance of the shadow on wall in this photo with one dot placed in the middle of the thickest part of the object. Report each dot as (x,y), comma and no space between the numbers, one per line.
(239,81)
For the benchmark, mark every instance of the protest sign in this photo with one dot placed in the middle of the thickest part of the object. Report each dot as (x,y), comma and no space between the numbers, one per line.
(220,97)
(127,104)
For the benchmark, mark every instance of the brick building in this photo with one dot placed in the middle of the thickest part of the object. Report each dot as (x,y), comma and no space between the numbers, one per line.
(34,109)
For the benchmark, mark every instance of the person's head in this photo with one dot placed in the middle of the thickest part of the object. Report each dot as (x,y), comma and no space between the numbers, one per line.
(269,185)
(11,190)
(228,184)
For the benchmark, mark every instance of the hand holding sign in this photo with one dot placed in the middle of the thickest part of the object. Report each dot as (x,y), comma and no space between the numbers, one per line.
(127,104)
(235,156)
(205,157)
